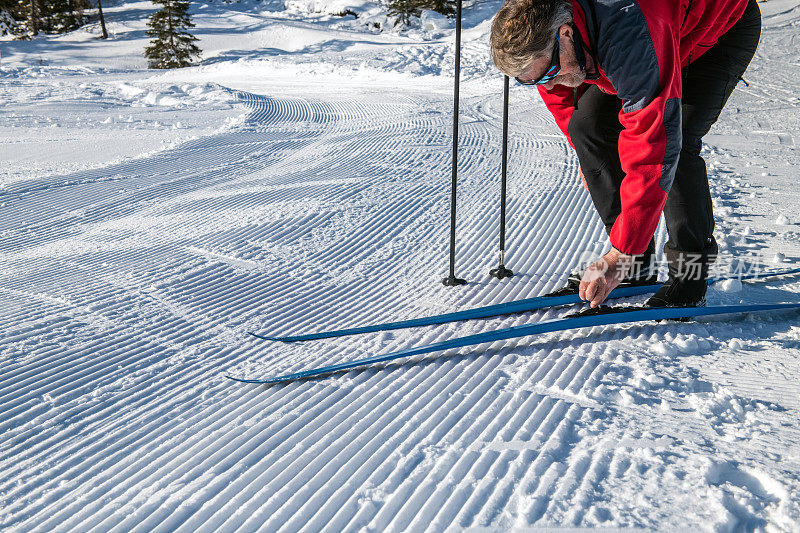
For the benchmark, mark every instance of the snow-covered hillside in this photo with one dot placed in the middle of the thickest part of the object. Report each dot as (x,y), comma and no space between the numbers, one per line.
(298,180)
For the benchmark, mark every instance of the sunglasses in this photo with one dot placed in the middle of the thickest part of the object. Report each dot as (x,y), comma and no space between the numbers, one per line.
(551,72)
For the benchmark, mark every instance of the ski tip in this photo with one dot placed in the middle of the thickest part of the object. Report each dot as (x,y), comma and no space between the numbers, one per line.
(268,338)
(252,381)
(755,276)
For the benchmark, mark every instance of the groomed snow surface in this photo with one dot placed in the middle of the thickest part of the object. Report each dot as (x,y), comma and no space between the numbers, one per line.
(298,180)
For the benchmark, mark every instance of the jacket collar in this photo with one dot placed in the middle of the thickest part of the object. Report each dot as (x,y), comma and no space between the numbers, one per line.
(584,22)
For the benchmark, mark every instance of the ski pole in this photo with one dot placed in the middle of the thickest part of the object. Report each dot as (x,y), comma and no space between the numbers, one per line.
(501,271)
(452,280)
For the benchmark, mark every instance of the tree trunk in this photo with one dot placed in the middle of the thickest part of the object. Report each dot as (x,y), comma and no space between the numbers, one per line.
(102,19)
(34,19)
(169,24)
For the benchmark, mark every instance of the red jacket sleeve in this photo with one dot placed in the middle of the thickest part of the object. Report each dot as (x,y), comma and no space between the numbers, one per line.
(649,84)
(561,103)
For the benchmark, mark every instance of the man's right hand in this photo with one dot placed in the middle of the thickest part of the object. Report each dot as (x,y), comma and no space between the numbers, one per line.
(583,179)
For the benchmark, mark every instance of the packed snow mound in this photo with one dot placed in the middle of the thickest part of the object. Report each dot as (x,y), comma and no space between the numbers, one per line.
(53,107)
(356,8)
(433,21)
(184,95)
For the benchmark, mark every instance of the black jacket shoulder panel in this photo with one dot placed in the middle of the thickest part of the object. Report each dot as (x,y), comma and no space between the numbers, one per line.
(625,49)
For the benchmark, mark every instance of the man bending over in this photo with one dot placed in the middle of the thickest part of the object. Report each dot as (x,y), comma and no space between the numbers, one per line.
(635,85)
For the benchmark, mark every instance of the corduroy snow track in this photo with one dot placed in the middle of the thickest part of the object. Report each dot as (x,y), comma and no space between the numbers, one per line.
(127,291)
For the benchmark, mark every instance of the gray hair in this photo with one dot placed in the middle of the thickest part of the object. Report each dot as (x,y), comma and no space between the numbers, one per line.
(524,30)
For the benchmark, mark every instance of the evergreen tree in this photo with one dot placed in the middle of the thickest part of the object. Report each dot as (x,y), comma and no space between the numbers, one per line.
(7,22)
(62,16)
(403,10)
(11,15)
(75,17)
(27,18)
(445,7)
(173,46)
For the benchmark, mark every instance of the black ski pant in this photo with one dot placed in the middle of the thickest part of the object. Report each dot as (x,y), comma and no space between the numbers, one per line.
(707,83)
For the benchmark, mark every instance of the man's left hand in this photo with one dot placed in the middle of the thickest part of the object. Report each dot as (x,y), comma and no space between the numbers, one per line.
(603,276)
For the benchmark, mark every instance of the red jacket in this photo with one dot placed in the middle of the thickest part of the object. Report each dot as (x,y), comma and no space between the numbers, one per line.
(640,47)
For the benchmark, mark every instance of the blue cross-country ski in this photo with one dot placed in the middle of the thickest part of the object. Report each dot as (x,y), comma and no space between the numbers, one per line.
(506,308)
(613,315)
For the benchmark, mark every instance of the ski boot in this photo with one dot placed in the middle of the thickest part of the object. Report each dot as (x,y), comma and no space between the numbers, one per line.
(688,278)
